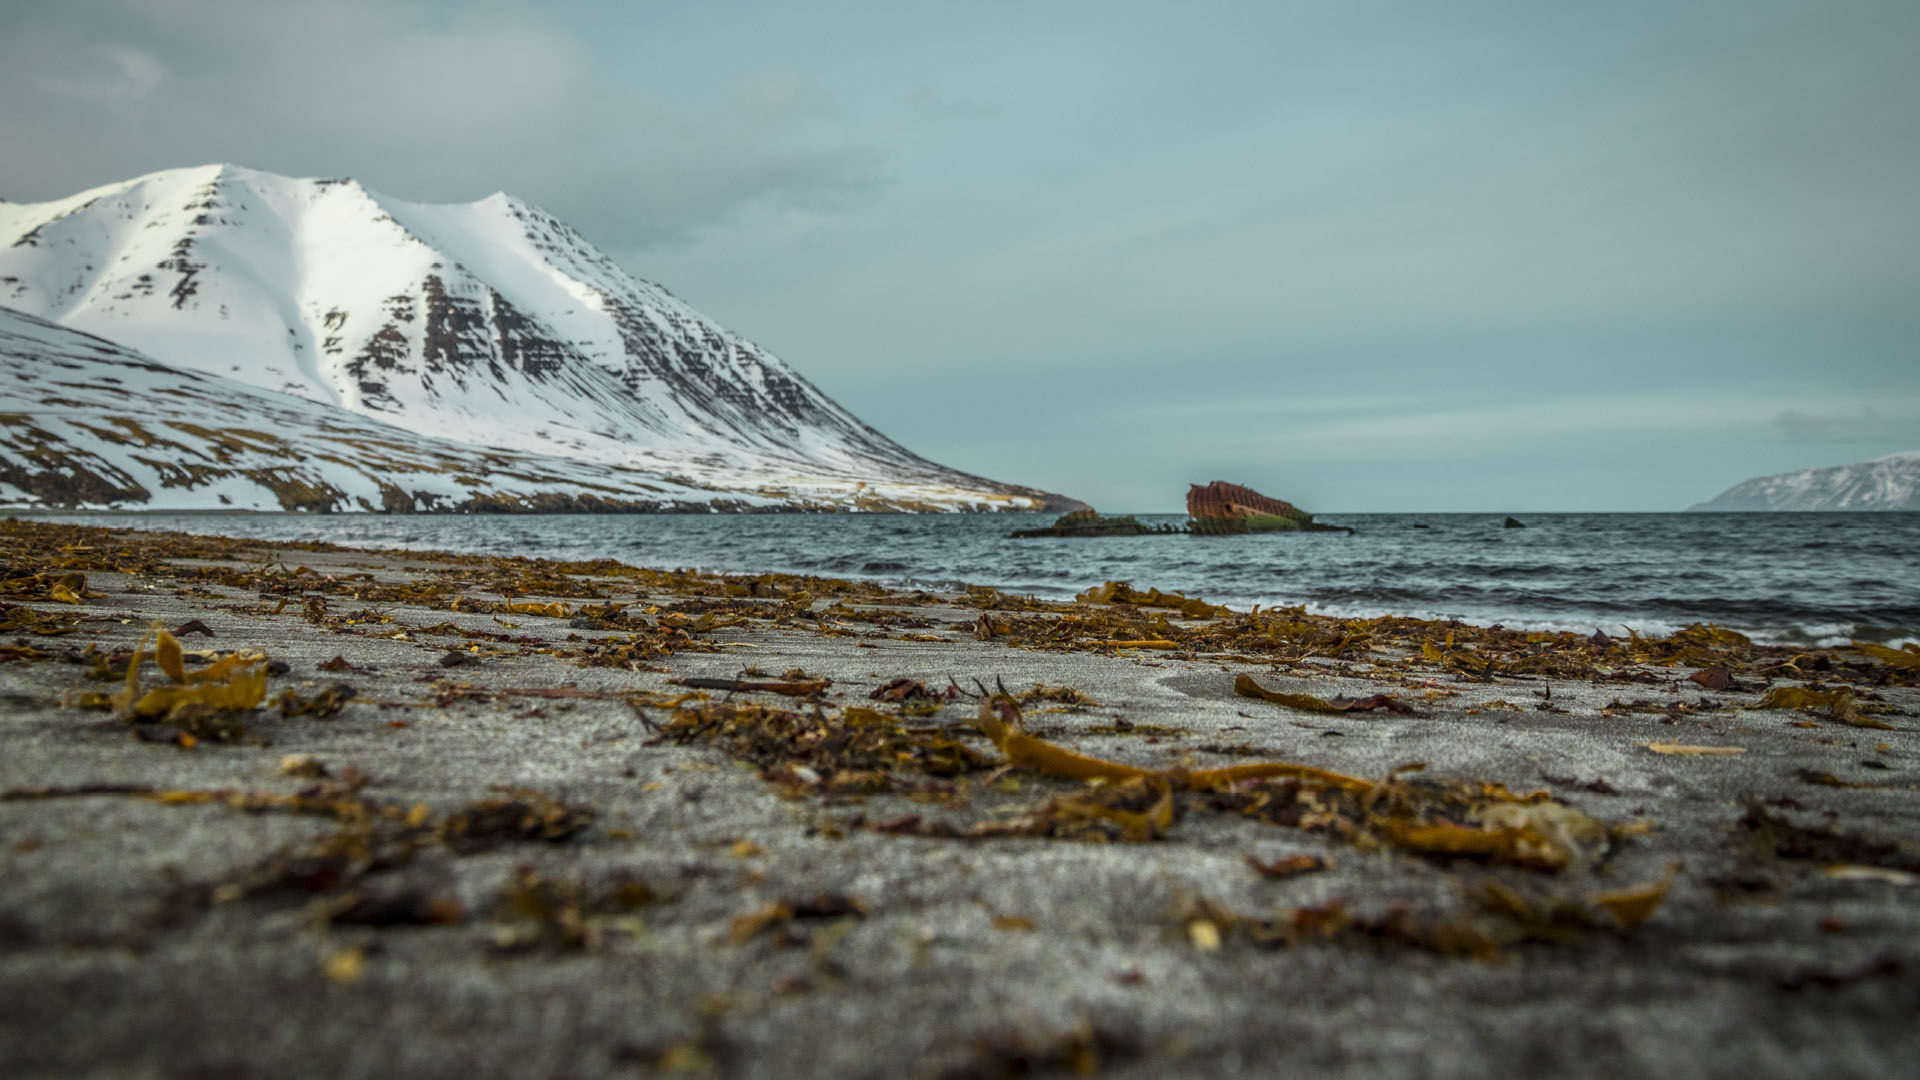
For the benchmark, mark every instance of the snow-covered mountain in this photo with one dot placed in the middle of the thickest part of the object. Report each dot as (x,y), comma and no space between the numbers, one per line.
(1887,483)
(488,324)
(84,421)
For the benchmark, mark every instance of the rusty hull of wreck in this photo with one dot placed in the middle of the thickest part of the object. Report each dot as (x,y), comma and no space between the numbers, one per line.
(1221,508)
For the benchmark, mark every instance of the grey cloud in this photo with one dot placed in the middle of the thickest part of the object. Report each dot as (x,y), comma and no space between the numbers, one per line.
(416,100)
(104,76)
(669,199)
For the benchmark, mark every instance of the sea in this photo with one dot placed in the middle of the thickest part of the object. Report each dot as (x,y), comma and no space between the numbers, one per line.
(1780,578)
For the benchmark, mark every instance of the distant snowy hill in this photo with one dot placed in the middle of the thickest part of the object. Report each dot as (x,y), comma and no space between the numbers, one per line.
(486,324)
(1887,483)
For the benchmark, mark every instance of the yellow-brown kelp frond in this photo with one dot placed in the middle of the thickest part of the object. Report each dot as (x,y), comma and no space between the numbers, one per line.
(205,703)
(1460,820)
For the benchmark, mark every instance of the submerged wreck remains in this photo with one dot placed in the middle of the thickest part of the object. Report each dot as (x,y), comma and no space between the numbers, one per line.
(1087,522)
(1216,509)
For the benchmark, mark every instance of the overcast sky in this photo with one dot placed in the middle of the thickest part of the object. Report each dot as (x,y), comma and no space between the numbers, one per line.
(1504,256)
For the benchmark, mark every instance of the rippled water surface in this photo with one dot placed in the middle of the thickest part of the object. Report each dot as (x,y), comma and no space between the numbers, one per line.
(1779,577)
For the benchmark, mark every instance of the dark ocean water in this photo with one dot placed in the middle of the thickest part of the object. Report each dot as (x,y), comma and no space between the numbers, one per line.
(1790,578)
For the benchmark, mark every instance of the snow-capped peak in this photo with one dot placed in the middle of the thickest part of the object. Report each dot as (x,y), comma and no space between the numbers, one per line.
(489,322)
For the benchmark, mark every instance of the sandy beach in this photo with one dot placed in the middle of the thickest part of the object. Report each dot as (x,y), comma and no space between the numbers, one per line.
(507,817)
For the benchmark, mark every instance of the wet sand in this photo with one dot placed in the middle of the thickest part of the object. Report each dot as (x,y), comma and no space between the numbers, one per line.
(639,903)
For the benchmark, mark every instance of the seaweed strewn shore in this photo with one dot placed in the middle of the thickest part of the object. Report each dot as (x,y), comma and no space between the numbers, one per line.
(310,810)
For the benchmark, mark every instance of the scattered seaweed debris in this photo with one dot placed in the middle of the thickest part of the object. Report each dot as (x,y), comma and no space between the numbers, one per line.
(391,908)
(1841,706)
(21,619)
(338,863)
(1548,914)
(1715,678)
(797,684)
(1905,658)
(1120,592)
(191,705)
(322,705)
(862,751)
(65,588)
(1245,686)
(1826,779)
(539,913)
(912,696)
(1452,820)
(1777,841)
(688,606)
(345,871)
(1133,811)
(1288,866)
(1116,614)
(1498,914)
(1684,750)
(20,650)
(1776,833)
(519,816)
(785,919)
(1337,921)
(1062,695)
(904,689)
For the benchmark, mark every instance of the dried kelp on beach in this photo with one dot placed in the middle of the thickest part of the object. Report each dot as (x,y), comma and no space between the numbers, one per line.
(994,781)
(857,750)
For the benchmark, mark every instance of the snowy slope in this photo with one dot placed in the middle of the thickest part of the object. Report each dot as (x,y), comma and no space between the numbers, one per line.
(486,323)
(1887,483)
(85,422)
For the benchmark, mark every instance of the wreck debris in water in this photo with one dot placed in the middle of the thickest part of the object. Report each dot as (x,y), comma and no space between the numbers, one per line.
(1216,509)
(1220,509)
(1088,522)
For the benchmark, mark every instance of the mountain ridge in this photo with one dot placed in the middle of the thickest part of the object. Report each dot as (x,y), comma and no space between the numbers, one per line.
(1891,482)
(489,323)
(88,423)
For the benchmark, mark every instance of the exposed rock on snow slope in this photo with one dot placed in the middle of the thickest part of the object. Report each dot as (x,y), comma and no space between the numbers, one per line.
(84,421)
(1887,483)
(487,323)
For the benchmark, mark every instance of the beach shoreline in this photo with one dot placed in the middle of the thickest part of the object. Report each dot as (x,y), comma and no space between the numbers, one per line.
(583,873)
(1807,580)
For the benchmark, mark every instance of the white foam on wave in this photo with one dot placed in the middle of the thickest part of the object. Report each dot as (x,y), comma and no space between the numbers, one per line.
(1823,635)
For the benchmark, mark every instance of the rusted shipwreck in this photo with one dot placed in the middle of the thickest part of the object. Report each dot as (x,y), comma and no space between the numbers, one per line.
(1216,509)
(1223,509)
